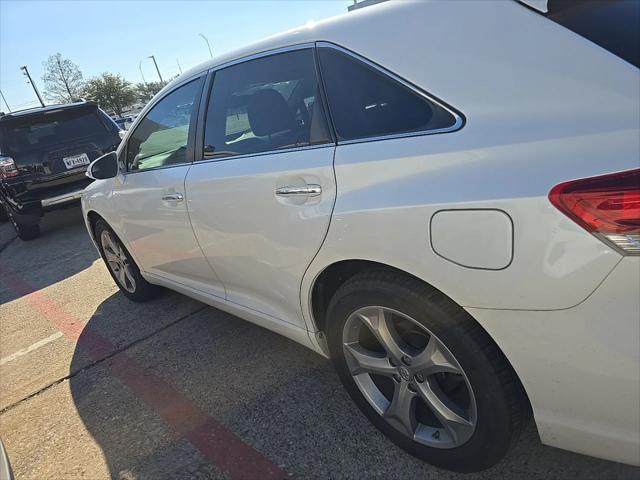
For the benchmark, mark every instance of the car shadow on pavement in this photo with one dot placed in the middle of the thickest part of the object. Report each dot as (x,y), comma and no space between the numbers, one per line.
(63,249)
(198,393)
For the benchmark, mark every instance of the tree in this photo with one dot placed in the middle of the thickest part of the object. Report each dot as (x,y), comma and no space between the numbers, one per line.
(146,91)
(62,79)
(111,91)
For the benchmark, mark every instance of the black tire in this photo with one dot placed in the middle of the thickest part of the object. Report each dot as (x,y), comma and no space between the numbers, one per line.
(27,232)
(24,232)
(142,290)
(502,407)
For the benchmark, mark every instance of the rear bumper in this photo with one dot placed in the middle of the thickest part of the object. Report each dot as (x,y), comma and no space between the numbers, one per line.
(581,366)
(29,213)
(60,200)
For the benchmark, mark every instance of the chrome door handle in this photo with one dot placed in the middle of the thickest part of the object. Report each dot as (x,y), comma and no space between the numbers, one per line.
(173,197)
(310,190)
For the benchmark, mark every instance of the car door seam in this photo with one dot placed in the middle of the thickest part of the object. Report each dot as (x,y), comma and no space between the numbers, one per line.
(195,236)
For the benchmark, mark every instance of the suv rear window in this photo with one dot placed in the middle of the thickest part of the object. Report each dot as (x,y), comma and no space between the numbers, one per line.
(44,131)
(612,24)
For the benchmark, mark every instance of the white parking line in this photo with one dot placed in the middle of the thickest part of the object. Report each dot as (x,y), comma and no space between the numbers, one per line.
(30,348)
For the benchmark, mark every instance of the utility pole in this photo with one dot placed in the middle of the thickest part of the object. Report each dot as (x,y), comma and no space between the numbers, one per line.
(35,89)
(208,46)
(179,67)
(5,101)
(141,74)
(157,69)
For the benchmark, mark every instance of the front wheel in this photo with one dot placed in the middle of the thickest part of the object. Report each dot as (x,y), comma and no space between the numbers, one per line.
(121,265)
(424,372)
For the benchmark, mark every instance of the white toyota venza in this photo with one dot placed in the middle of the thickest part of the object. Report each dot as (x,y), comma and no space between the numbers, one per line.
(442,197)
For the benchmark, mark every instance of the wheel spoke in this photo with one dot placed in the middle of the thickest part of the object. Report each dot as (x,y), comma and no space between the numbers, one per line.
(379,321)
(110,243)
(435,358)
(122,277)
(458,427)
(401,412)
(129,276)
(111,257)
(364,361)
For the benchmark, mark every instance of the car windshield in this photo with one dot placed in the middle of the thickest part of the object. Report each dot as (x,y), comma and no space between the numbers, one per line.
(612,24)
(45,131)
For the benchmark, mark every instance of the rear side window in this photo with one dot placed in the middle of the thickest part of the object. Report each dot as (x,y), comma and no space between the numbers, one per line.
(366,102)
(47,131)
(267,104)
(612,24)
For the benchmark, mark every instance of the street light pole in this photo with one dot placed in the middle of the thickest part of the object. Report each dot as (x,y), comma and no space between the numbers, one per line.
(141,74)
(157,69)
(5,101)
(208,46)
(35,89)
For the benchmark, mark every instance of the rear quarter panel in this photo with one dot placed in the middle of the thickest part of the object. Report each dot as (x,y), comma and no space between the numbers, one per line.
(542,106)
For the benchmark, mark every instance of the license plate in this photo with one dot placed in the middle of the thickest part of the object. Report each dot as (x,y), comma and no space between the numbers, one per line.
(76,161)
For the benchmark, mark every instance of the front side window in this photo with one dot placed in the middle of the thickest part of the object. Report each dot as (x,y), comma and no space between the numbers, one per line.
(266,104)
(365,102)
(161,138)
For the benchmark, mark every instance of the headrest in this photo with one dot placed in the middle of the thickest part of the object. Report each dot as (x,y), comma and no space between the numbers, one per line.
(269,113)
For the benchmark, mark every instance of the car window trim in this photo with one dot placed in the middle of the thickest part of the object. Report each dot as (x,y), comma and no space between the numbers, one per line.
(191,136)
(458,116)
(202,116)
(200,158)
(267,152)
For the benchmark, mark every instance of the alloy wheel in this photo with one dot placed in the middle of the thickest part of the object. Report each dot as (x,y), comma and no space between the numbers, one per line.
(410,378)
(117,261)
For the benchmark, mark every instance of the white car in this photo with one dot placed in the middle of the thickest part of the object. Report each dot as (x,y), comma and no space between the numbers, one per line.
(442,197)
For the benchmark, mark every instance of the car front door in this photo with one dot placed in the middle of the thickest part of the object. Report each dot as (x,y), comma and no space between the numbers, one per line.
(262,187)
(151,197)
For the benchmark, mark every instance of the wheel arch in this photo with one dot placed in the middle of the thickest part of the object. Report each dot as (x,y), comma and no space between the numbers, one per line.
(329,280)
(92,218)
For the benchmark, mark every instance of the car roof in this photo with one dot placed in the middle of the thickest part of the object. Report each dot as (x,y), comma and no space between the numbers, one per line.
(21,114)
(314,31)
(329,30)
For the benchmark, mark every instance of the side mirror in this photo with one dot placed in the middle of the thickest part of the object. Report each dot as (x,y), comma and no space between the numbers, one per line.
(122,133)
(104,167)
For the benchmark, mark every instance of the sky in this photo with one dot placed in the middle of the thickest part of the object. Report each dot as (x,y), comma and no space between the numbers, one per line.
(114,36)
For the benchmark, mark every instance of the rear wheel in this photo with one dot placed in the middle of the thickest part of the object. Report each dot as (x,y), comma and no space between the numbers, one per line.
(24,232)
(121,265)
(423,371)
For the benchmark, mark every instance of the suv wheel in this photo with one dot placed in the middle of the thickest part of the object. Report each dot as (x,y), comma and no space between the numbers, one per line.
(24,232)
(424,372)
(121,266)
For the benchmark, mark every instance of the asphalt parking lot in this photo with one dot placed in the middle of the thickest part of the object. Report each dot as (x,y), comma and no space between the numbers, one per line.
(94,386)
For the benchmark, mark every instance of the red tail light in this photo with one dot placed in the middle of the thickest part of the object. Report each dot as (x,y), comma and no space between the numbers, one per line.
(7,167)
(608,206)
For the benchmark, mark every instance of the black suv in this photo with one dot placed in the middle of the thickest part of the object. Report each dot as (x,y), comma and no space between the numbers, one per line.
(44,153)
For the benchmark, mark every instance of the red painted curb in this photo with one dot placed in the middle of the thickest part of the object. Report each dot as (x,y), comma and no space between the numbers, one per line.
(219,445)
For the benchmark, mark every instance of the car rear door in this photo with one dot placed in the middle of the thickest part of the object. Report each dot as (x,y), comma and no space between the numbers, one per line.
(150,199)
(262,188)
